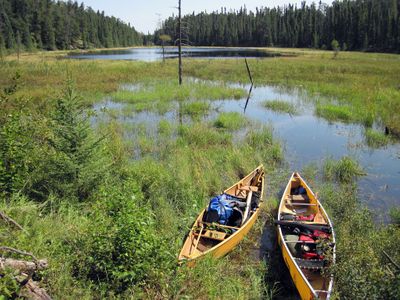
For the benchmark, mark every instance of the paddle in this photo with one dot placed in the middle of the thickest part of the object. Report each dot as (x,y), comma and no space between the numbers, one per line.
(323,228)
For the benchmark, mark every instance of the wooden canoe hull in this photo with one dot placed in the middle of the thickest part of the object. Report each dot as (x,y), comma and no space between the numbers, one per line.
(305,284)
(301,284)
(225,246)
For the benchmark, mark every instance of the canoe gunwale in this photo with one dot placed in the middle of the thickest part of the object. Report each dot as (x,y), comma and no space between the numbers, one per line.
(281,237)
(247,225)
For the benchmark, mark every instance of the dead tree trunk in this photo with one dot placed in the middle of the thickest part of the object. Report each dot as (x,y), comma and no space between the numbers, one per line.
(180,43)
(32,291)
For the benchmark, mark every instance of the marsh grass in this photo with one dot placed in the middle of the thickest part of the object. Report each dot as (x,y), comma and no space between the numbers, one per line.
(376,139)
(230,121)
(280,106)
(395,215)
(170,91)
(195,109)
(368,82)
(345,170)
(335,113)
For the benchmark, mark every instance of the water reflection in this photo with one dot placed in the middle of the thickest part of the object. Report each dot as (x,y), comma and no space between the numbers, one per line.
(155,54)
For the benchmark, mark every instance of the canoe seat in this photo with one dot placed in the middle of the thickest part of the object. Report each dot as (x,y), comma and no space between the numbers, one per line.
(299,198)
(212,234)
(310,264)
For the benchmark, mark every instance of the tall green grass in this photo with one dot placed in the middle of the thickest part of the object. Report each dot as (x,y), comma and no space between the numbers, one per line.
(230,121)
(376,139)
(344,170)
(280,106)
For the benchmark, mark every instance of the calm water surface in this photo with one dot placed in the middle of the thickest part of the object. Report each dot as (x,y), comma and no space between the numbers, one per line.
(155,54)
(307,139)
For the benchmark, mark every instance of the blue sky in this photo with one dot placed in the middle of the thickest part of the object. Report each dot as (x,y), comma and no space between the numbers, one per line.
(145,14)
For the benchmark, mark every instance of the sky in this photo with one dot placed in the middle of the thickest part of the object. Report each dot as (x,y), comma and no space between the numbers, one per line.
(145,15)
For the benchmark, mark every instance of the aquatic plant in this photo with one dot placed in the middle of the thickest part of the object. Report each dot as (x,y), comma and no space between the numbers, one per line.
(344,170)
(376,139)
(195,109)
(334,112)
(280,106)
(394,213)
(230,121)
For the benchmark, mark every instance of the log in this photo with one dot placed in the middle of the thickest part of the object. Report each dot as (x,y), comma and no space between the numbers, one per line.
(22,265)
(31,290)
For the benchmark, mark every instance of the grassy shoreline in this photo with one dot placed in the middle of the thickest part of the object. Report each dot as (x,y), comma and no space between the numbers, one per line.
(368,82)
(88,225)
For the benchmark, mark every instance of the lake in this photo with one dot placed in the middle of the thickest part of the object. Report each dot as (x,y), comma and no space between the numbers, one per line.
(156,53)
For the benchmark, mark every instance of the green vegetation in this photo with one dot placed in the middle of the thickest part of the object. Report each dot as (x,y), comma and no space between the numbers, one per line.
(395,215)
(110,225)
(43,24)
(345,170)
(318,26)
(230,121)
(195,109)
(96,201)
(280,106)
(376,139)
(170,91)
(159,96)
(335,113)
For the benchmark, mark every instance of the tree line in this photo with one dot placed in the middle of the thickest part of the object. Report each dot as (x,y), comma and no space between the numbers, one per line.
(51,25)
(356,24)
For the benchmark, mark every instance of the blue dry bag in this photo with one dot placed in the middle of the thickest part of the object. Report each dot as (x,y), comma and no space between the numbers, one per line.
(221,205)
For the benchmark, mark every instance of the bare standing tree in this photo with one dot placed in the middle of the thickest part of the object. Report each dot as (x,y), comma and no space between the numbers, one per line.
(180,43)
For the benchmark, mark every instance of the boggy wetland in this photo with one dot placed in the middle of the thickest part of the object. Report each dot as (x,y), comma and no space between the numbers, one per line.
(112,161)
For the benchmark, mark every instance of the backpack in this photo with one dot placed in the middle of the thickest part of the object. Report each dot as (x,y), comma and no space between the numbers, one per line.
(219,209)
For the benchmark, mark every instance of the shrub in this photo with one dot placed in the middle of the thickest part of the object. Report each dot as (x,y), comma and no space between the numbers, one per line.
(74,163)
(121,248)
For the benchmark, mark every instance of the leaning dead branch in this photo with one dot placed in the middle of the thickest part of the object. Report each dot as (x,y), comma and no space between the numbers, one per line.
(10,221)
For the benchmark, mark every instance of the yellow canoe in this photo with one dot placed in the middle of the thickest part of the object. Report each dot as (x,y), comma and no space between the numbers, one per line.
(216,239)
(306,252)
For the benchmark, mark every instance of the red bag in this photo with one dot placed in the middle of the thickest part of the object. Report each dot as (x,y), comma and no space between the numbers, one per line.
(305,238)
(320,234)
(312,255)
(305,218)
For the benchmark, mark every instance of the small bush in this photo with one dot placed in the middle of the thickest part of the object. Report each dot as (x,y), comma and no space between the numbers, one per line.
(121,247)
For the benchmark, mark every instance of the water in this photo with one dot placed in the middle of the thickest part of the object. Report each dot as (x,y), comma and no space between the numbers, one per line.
(155,54)
(308,139)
